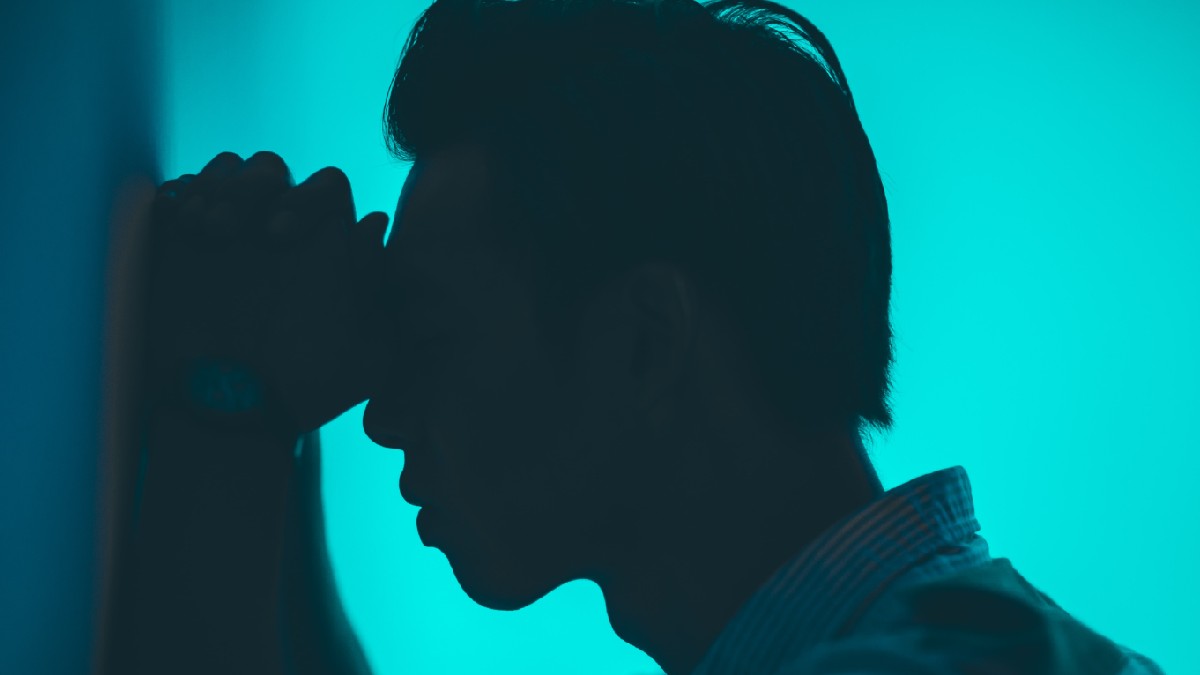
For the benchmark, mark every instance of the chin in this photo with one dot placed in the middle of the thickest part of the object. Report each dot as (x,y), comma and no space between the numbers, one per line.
(487,586)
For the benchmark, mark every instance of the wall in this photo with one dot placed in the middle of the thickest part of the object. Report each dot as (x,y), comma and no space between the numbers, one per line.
(77,122)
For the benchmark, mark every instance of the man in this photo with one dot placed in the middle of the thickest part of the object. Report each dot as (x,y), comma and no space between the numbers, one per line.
(629,327)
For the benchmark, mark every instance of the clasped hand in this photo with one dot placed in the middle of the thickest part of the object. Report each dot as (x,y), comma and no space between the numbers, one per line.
(249,267)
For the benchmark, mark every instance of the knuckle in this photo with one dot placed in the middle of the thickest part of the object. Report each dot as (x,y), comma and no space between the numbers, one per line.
(317,198)
(175,186)
(331,176)
(220,167)
(170,189)
(267,160)
(319,190)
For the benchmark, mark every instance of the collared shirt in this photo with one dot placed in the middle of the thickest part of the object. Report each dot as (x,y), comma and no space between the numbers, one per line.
(820,612)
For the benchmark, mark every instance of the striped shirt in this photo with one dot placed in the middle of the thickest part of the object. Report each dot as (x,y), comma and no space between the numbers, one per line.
(822,611)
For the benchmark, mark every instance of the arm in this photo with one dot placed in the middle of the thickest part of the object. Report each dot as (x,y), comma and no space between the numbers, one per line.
(318,638)
(226,568)
(198,587)
(228,572)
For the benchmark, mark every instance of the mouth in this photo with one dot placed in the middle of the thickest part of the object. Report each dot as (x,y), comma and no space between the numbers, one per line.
(411,495)
(425,525)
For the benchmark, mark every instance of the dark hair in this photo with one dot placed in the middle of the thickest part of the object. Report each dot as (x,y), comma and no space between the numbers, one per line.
(719,137)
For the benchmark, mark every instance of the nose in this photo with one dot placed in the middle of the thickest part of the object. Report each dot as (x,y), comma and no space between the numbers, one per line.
(386,437)
(381,433)
(390,441)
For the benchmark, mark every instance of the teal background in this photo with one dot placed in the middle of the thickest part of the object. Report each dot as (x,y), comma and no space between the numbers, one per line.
(1040,165)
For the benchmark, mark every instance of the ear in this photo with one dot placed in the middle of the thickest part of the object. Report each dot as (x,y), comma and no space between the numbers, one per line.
(664,304)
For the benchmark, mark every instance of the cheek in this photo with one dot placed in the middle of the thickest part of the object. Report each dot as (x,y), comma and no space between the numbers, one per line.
(500,423)
(535,472)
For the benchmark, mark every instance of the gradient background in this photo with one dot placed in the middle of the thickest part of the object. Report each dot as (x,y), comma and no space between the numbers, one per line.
(1040,165)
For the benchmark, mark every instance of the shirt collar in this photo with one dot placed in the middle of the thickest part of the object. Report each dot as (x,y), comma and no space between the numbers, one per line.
(818,594)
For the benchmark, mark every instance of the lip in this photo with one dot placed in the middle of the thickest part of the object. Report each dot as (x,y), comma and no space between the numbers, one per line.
(424,518)
(411,495)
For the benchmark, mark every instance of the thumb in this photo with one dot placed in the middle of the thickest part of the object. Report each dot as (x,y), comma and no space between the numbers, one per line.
(371,228)
(366,248)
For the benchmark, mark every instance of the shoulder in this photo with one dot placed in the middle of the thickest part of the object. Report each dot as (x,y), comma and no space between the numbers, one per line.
(892,654)
(986,620)
(900,654)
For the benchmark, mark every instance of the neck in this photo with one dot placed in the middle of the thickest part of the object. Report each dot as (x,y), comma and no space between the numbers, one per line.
(700,554)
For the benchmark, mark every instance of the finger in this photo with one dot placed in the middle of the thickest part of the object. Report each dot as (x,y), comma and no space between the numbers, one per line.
(286,230)
(253,194)
(223,221)
(366,246)
(191,216)
(173,189)
(368,233)
(170,196)
(283,228)
(215,173)
(267,160)
(373,229)
(222,165)
(263,179)
(323,199)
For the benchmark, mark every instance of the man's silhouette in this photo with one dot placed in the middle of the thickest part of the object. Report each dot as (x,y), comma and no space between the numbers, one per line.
(650,466)
(638,288)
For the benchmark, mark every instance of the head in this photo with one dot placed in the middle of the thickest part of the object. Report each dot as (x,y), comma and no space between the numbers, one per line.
(640,265)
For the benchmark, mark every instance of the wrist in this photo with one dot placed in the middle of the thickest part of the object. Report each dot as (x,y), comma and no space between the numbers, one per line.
(202,463)
(226,395)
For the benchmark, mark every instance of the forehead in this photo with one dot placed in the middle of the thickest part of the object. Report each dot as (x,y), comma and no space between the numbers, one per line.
(442,215)
(444,196)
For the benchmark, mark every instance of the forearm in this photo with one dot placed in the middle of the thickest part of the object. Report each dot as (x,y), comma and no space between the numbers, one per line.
(201,587)
(318,638)
(226,564)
